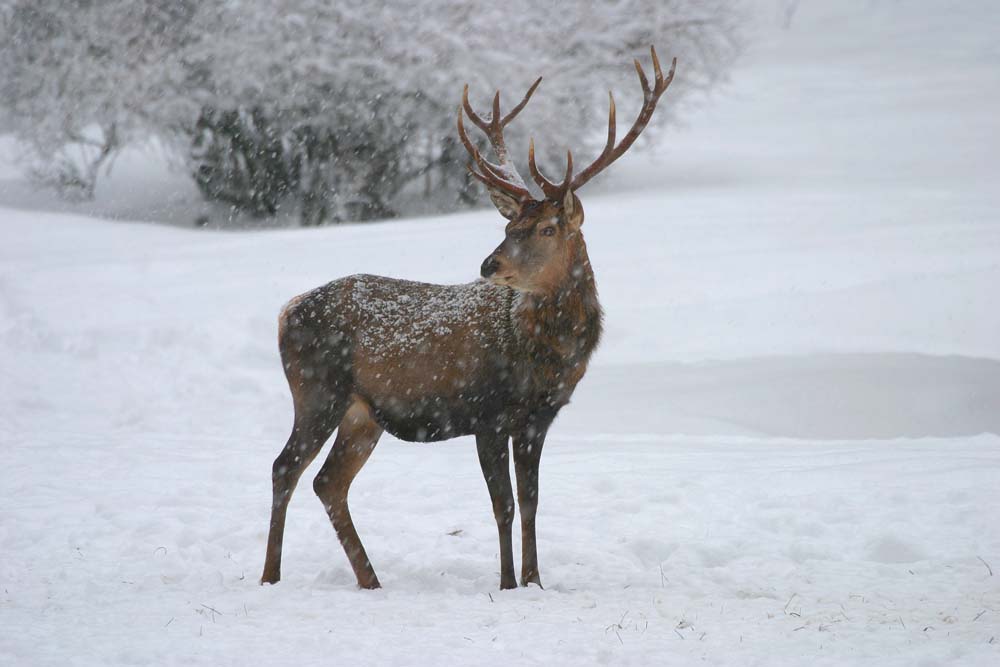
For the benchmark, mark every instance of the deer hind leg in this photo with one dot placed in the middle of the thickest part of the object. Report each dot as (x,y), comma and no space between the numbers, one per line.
(313,426)
(527,455)
(357,436)
(495,462)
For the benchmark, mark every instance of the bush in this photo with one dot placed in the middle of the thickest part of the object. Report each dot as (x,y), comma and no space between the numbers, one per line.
(341,111)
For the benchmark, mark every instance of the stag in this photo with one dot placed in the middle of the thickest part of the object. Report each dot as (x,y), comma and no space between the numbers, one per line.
(496,358)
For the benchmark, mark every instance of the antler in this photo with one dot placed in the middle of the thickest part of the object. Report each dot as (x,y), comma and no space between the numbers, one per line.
(552,191)
(611,151)
(503,176)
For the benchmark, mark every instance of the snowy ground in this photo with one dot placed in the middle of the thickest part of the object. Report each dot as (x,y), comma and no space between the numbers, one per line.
(787,449)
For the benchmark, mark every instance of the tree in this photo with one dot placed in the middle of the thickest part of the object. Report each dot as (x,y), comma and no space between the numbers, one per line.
(344,110)
(82,78)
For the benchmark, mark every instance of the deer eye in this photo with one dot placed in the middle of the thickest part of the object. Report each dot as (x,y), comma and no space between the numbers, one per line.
(547,231)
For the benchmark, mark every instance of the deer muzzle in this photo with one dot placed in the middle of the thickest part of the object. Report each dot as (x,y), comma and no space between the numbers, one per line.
(490,266)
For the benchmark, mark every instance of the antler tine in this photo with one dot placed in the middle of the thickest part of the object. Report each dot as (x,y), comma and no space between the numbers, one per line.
(545,184)
(612,124)
(469,146)
(503,176)
(656,66)
(495,116)
(553,191)
(643,81)
(651,96)
(470,112)
(516,110)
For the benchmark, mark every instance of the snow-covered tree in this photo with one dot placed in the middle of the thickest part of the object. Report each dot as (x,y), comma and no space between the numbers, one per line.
(345,109)
(81,78)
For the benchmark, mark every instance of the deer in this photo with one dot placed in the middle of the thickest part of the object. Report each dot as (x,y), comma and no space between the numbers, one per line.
(496,359)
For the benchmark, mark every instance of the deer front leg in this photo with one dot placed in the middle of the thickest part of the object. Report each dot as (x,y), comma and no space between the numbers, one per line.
(527,455)
(493,458)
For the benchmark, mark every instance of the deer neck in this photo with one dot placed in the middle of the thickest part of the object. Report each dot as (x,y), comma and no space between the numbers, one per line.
(561,326)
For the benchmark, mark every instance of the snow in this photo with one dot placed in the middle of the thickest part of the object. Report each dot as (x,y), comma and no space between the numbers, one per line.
(786,449)
(397,317)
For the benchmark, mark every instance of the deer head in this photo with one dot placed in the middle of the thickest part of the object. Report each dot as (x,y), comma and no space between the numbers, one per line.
(543,244)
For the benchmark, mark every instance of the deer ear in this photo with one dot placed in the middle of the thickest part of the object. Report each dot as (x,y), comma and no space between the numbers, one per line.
(572,210)
(508,205)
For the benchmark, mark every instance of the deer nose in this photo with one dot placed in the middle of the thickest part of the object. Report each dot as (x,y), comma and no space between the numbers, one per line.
(489,267)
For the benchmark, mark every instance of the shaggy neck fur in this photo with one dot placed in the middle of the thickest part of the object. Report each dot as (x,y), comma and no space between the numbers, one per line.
(560,329)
